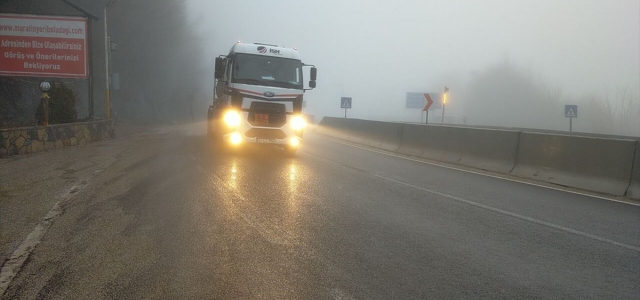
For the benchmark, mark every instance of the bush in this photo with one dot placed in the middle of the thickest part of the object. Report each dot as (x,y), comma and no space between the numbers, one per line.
(62,105)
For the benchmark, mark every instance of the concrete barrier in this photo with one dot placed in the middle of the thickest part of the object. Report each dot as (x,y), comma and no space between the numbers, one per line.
(486,149)
(596,164)
(414,140)
(608,165)
(377,134)
(633,191)
(334,127)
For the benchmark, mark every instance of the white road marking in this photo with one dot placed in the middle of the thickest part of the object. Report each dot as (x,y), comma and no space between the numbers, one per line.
(518,216)
(472,172)
(12,267)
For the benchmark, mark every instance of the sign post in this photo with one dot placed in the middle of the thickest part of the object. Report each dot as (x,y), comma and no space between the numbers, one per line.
(570,111)
(345,102)
(426,107)
(422,101)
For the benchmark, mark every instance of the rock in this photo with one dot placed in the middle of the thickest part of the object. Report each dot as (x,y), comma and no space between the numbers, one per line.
(4,152)
(27,142)
(41,134)
(50,145)
(33,134)
(5,134)
(19,142)
(50,134)
(24,134)
(5,143)
(82,142)
(66,142)
(12,150)
(11,136)
(86,134)
(73,141)
(59,144)
(22,151)
(67,131)
(37,146)
(79,134)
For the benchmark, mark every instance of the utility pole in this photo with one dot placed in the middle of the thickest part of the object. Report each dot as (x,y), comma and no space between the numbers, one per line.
(106,61)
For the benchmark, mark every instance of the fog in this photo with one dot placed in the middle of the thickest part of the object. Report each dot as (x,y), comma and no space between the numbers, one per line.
(507,63)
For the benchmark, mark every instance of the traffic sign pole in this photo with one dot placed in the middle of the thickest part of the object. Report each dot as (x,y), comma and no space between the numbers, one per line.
(571,111)
(426,107)
(345,102)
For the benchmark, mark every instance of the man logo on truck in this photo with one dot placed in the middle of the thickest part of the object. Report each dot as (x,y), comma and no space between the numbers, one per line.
(262,49)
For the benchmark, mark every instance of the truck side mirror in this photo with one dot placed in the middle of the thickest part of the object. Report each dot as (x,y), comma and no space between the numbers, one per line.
(314,73)
(219,68)
(312,84)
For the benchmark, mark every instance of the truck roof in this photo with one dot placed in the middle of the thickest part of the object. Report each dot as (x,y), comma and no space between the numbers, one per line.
(264,49)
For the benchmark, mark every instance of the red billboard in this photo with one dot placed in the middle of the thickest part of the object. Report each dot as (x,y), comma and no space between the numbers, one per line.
(43,46)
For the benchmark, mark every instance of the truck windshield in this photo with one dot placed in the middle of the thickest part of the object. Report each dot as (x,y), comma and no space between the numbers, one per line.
(267,70)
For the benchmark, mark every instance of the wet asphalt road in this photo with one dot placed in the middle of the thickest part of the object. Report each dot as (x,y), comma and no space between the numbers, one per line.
(168,215)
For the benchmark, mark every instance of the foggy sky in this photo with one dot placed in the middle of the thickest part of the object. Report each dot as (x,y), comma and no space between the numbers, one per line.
(376,51)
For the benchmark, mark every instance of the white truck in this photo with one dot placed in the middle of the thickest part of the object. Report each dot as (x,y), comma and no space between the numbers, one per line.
(258,96)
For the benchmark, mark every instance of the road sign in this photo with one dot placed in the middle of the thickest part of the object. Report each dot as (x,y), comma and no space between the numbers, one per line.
(571,111)
(43,46)
(417,100)
(345,102)
(429,102)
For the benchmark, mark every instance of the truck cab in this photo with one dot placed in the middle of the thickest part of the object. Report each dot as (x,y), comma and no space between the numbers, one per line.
(258,96)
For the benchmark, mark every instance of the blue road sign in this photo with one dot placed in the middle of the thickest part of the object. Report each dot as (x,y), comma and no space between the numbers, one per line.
(571,111)
(415,101)
(345,102)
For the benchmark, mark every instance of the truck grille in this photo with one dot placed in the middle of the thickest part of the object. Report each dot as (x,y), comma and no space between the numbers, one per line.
(276,113)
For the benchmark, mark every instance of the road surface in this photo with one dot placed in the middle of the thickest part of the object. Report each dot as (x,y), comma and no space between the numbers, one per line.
(165,214)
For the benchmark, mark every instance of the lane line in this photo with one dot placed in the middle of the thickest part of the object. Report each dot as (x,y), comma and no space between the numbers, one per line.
(14,264)
(473,172)
(515,215)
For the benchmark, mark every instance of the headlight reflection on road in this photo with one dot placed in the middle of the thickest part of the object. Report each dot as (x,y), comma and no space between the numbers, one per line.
(292,172)
(234,174)
(293,187)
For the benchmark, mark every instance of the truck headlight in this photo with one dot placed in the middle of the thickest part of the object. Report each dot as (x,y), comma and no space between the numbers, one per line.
(294,142)
(298,123)
(235,138)
(232,118)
